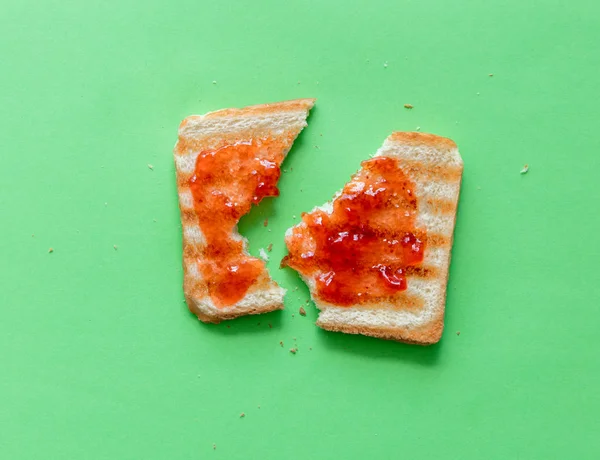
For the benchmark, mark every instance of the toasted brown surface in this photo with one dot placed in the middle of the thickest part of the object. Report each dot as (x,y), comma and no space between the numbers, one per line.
(417,315)
(281,121)
(425,335)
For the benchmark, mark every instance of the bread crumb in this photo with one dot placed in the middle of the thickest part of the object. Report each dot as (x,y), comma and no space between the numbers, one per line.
(310,348)
(293,351)
(51,250)
(263,254)
(294,338)
(270,247)
(457,332)
(214,447)
(490,75)
(408,106)
(296,288)
(259,406)
(285,170)
(269,230)
(525,169)
(150,167)
(478,94)
(115,246)
(281,343)
(242,415)
(214,82)
(302,311)
(270,326)
(266,222)
(418,128)
(293,316)
(291,169)
(385,64)
(105,204)
(294,216)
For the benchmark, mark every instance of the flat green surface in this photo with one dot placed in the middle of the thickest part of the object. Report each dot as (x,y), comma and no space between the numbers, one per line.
(99,357)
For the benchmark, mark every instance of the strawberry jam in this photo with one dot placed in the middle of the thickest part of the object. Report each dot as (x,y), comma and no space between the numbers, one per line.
(362,250)
(225,184)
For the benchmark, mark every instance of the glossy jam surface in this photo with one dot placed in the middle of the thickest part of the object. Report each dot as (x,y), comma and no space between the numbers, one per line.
(225,184)
(361,251)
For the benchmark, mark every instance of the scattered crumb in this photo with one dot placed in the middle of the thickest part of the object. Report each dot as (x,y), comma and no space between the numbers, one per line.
(294,216)
(214,447)
(302,311)
(269,230)
(270,247)
(285,170)
(457,332)
(242,415)
(228,326)
(105,204)
(291,169)
(478,94)
(300,189)
(478,188)
(418,128)
(115,246)
(293,316)
(293,351)
(310,348)
(281,343)
(296,288)
(263,254)
(51,250)
(258,324)
(266,222)
(270,326)
(214,82)
(525,169)
(316,146)
(490,75)
(385,64)
(408,106)
(32,235)
(298,81)
(150,167)
(259,406)
(294,338)
(153,220)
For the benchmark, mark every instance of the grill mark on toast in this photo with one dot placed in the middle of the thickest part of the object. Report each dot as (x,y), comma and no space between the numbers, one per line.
(419,170)
(400,302)
(422,272)
(440,206)
(434,240)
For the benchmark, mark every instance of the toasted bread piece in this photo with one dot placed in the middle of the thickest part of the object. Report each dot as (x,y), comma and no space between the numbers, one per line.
(269,129)
(415,313)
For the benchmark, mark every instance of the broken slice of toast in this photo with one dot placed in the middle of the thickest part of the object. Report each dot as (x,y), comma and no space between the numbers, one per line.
(376,258)
(226,161)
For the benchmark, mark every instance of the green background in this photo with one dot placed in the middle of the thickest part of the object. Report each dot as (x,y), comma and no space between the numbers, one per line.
(99,357)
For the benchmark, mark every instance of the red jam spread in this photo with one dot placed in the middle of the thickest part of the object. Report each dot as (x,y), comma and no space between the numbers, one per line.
(361,251)
(225,184)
